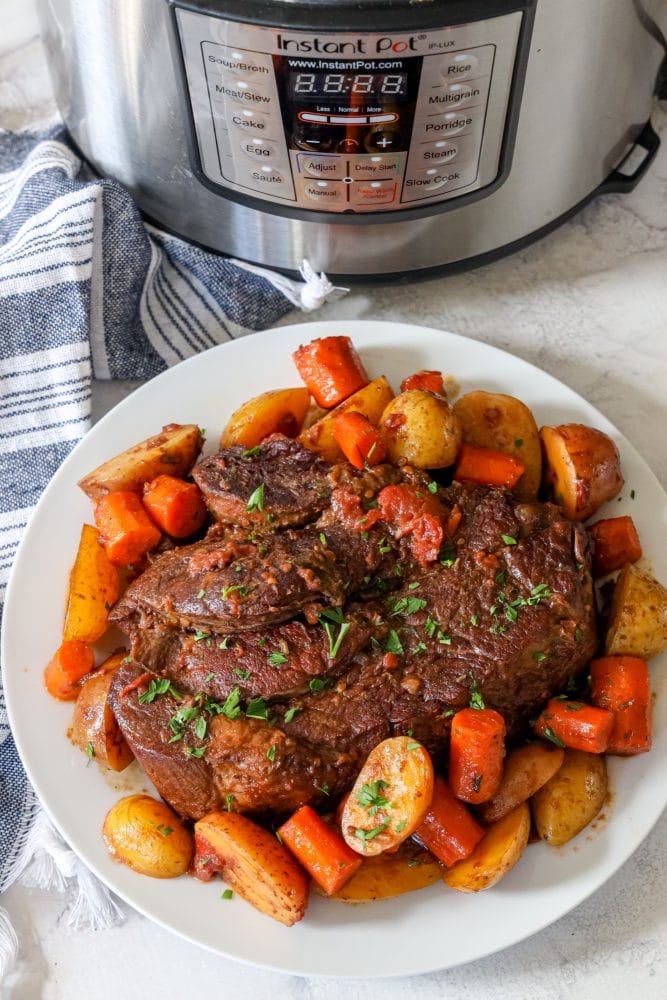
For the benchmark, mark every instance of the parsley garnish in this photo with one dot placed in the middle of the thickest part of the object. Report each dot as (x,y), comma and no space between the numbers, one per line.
(476,699)
(229,798)
(578,634)
(323,538)
(256,709)
(242,591)
(275,659)
(290,713)
(319,683)
(408,605)
(179,720)
(550,735)
(231,708)
(324,788)
(334,615)
(242,674)
(201,594)
(200,728)
(224,644)
(271,753)
(256,499)
(539,656)
(227,894)
(401,826)
(413,745)
(199,635)
(371,796)
(251,452)
(508,540)
(90,751)
(155,688)
(432,487)
(195,751)
(393,644)
(365,835)
(166,831)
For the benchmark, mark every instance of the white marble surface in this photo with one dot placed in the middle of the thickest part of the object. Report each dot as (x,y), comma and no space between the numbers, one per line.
(589,305)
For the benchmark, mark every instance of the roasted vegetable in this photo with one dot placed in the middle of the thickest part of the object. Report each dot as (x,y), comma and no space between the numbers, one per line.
(358,439)
(371,401)
(173,452)
(615,543)
(449,830)
(93,589)
(582,468)
(177,507)
(148,837)
(390,797)
(526,769)
(487,466)
(331,368)
(622,685)
(430,380)
(495,855)
(421,428)
(69,665)
(94,726)
(126,531)
(279,411)
(476,753)
(386,875)
(320,849)
(253,863)
(572,798)
(638,615)
(576,725)
(494,420)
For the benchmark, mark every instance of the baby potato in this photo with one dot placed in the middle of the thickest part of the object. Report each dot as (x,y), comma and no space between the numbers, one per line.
(390,797)
(572,798)
(276,411)
(148,837)
(494,420)
(525,770)
(94,726)
(582,468)
(638,616)
(388,875)
(495,855)
(370,400)
(420,428)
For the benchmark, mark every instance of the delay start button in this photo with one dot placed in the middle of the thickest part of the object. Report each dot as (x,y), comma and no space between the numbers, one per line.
(374,167)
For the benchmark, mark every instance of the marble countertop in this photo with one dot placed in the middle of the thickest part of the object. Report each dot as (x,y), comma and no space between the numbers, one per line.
(587,304)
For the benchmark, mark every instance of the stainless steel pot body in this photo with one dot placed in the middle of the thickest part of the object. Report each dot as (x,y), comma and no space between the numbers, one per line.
(586,92)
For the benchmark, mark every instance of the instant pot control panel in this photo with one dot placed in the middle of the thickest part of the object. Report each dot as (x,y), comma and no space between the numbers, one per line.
(359,123)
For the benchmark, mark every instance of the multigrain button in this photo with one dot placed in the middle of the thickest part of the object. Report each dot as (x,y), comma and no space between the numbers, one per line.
(450,123)
(250,121)
(260,150)
(438,152)
(323,192)
(453,95)
(459,66)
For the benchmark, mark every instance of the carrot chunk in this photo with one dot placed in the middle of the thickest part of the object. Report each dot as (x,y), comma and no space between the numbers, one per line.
(615,543)
(358,439)
(449,831)
(487,466)
(71,662)
(575,725)
(331,369)
(126,530)
(176,507)
(476,752)
(622,685)
(321,851)
(425,379)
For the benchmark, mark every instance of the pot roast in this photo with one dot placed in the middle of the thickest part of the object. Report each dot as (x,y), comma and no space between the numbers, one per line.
(269,658)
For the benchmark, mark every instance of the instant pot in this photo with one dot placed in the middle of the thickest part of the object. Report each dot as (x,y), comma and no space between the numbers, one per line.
(372,138)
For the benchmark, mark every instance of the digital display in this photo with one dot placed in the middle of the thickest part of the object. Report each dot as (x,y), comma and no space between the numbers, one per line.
(318,85)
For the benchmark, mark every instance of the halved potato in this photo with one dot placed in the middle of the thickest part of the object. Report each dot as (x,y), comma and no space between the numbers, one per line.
(496,854)
(420,428)
(93,589)
(638,615)
(387,875)
(494,420)
(390,797)
(173,452)
(278,411)
(525,770)
(94,726)
(253,863)
(572,798)
(582,468)
(371,401)
(148,836)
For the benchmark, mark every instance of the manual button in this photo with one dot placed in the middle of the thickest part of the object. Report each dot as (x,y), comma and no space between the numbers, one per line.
(323,192)
(312,165)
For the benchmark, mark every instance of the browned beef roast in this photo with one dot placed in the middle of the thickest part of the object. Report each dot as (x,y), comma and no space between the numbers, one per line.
(508,608)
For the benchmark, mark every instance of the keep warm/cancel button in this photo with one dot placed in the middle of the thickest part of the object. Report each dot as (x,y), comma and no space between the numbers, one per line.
(369,193)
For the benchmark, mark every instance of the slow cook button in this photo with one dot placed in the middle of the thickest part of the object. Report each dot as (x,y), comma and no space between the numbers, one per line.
(260,150)
(312,165)
(323,192)
(450,123)
(250,121)
(440,151)
(422,182)
(374,167)
(365,193)
(459,66)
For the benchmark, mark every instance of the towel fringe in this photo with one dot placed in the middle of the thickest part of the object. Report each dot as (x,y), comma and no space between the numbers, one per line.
(309,295)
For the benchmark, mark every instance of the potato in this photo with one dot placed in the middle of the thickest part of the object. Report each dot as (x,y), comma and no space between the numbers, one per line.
(582,468)
(148,836)
(390,797)
(371,401)
(173,452)
(93,588)
(387,875)
(420,428)
(638,615)
(94,726)
(496,854)
(493,420)
(279,411)
(572,798)
(525,770)
(253,863)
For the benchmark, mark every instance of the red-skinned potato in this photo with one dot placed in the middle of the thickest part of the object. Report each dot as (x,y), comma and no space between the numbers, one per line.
(582,468)
(94,726)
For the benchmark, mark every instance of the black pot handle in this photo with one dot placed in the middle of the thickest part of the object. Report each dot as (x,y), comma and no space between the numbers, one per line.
(619,179)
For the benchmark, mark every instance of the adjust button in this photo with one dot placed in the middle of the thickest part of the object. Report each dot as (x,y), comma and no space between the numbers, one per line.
(312,165)
(324,193)
(459,66)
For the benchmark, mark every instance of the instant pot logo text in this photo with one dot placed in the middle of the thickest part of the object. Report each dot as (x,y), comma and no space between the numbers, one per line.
(355,46)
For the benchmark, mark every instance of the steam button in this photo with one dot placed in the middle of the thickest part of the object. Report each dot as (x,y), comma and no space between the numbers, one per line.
(459,66)
(438,152)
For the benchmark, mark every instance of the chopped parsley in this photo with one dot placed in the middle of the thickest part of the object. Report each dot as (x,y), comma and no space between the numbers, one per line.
(324,788)
(229,798)
(155,688)
(224,644)
(195,751)
(271,753)
(256,500)
(251,452)
(539,656)
(200,728)
(365,835)
(179,721)
(432,487)
(202,593)
(326,618)
(578,634)
(372,798)
(256,709)
(476,699)
(90,751)
(275,659)
(242,591)
(401,826)
(319,683)
(166,831)
(290,713)
(408,605)
(199,635)
(323,538)
(508,539)
(518,443)
(393,644)
(227,894)
(231,708)
(550,735)
(413,745)
(242,674)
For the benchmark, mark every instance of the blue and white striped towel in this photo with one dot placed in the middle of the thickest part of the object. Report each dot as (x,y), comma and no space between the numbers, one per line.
(87,290)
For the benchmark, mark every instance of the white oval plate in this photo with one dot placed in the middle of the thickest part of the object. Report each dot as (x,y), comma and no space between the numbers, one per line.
(419,932)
